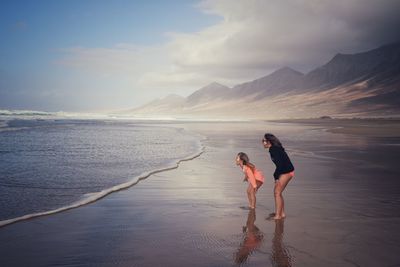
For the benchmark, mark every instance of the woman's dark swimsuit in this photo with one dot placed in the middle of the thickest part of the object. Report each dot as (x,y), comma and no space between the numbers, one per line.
(281,160)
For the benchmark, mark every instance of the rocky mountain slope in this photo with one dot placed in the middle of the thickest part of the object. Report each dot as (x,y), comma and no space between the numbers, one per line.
(364,85)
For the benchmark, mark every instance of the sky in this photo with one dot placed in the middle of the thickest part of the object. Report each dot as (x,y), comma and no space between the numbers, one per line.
(94,56)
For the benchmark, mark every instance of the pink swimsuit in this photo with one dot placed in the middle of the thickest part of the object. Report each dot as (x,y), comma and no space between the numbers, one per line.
(256,178)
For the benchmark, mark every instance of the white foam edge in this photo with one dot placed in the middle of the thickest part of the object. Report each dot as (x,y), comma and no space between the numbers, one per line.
(93,197)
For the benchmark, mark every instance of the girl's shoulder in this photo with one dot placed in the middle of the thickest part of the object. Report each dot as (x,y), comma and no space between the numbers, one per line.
(246,169)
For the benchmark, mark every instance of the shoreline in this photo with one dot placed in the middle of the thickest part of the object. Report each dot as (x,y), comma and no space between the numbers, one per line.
(368,127)
(96,196)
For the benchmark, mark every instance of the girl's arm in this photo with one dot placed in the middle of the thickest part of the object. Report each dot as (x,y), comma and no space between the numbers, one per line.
(245,175)
(250,177)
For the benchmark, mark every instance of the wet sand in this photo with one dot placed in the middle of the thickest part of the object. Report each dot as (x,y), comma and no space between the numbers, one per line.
(342,207)
(363,127)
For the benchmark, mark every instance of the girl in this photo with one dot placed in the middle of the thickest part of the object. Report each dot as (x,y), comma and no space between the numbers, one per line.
(252,175)
(284,171)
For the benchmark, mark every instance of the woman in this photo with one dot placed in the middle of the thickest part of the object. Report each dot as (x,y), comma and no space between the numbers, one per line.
(284,172)
(252,175)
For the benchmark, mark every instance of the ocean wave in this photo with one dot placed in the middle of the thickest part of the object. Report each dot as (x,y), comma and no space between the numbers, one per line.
(6,112)
(92,197)
(28,186)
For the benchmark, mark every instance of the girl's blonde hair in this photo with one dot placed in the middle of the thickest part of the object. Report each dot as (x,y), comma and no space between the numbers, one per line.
(246,162)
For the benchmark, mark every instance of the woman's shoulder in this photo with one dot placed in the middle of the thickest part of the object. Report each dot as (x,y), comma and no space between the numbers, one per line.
(276,149)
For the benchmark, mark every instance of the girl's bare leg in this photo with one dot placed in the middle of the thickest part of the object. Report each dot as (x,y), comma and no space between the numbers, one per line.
(248,195)
(251,194)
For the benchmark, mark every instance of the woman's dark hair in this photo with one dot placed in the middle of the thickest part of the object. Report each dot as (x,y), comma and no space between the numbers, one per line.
(243,157)
(273,139)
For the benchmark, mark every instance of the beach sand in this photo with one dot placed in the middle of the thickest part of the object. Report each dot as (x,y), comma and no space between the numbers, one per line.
(363,127)
(342,209)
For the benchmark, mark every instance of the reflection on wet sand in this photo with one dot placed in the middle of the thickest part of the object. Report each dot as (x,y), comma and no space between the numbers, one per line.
(252,239)
(280,255)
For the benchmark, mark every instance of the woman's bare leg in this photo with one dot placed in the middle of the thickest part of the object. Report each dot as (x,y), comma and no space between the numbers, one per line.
(280,185)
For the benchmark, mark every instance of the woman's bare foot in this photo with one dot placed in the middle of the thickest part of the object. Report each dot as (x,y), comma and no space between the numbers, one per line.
(271,216)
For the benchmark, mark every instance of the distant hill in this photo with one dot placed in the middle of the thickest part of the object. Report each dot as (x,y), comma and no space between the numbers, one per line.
(208,93)
(377,64)
(364,85)
(171,103)
(281,81)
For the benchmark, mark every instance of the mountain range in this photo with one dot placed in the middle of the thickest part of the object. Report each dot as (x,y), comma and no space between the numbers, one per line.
(365,84)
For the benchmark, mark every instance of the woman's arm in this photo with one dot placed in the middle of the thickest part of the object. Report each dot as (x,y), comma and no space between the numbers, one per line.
(279,160)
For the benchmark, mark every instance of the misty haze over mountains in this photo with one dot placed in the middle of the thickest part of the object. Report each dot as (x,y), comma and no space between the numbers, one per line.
(358,85)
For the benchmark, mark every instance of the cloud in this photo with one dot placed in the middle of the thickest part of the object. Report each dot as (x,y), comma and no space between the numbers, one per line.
(252,39)
(260,35)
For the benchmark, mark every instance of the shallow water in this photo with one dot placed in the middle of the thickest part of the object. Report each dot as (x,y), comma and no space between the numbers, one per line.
(49,164)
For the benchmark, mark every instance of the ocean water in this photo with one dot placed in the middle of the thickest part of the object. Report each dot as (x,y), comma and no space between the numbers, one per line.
(48,165)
